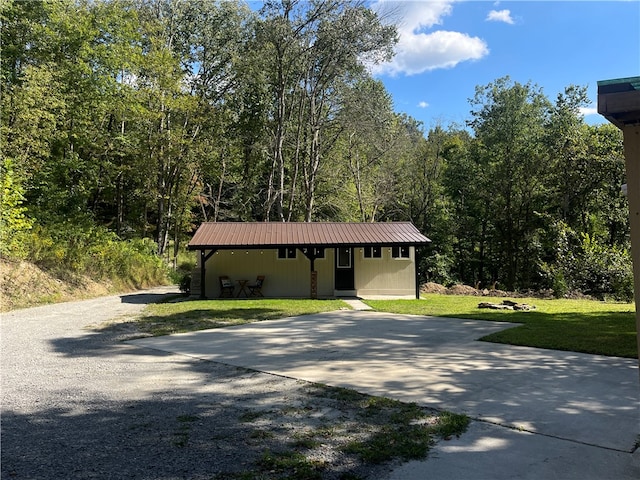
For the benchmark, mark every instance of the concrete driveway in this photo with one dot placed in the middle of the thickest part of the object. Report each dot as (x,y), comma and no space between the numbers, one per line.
(548,414)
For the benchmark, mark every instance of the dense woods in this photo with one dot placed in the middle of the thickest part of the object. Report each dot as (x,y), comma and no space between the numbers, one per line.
(126,123)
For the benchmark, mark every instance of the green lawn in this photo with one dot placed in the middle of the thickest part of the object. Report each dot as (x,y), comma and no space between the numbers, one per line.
(573,325)
(187,316)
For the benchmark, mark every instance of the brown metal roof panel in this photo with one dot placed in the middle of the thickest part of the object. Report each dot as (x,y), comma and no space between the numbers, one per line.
(329,233)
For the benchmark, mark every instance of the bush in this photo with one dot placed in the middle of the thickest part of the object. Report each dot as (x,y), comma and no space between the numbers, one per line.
(185,284)
(14,222)
(69,249)
(587,265)
(436,268)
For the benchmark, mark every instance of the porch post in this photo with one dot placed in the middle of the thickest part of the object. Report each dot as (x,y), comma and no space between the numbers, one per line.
(619,103)
(310,253)
(632,162)
(415,271)
(203,271)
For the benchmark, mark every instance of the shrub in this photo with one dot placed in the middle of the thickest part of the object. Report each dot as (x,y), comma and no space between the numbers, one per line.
(69,249)
(588,265)
(185,284)
(14,223)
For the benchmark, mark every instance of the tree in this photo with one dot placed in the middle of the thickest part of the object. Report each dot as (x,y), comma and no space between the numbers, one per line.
(314,47)
(509,124)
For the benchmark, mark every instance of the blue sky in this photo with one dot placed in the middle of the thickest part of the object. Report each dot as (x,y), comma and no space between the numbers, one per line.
(447,48)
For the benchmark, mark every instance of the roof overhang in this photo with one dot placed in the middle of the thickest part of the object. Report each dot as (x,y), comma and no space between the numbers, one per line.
(256,235)
(619,101)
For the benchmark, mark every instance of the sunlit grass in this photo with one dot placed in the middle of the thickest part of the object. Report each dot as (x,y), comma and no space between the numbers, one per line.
(573,325)
(187,316)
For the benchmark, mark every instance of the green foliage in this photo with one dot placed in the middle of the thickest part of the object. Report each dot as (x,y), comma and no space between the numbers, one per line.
(146,118)
(450,424)
(437,268)
(584,263)
(14,223)
(604,269)
(70,249)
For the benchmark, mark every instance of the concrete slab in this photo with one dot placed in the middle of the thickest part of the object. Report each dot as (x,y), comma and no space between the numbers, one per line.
(356,303)
(577,400)
(491,452)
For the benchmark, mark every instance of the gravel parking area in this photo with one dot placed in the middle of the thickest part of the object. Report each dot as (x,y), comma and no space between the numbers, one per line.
(77,403)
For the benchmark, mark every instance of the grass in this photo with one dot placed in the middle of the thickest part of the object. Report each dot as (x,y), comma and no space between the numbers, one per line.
(373,429)
(188,316)
(386,429)
(296,465)
(401,430)
(572,325)
(585,326)
(182,435)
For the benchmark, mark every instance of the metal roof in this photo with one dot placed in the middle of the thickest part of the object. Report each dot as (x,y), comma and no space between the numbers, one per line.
(228,235)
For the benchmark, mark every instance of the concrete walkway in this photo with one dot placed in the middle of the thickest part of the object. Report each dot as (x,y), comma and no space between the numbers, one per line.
(540,413)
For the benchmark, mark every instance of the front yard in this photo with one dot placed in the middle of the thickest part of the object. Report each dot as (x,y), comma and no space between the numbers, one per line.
(573,325)
(585,326)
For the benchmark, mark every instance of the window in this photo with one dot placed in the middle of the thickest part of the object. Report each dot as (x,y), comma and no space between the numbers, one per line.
(318,252)
(344,257)
(287,252)
(372,252)
(400,252)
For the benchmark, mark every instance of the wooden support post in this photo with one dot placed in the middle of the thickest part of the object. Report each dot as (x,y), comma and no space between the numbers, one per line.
(203,275)
(314,284)
(632,163)
(314,275)
(310,253)
(203,271)
(415,271)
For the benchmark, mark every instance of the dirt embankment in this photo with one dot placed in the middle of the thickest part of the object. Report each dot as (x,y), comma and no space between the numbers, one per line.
(23,284)
(459,289)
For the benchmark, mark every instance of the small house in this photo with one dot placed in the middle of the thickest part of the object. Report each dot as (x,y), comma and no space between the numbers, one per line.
(307,260)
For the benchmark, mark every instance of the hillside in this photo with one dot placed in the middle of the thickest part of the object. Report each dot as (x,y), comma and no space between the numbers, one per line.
(23,284)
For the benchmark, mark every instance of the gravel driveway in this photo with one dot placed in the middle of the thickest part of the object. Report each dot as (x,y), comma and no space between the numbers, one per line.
(79,403)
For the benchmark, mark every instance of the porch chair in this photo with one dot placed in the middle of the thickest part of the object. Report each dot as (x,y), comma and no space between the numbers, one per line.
(255,288)
(226,287)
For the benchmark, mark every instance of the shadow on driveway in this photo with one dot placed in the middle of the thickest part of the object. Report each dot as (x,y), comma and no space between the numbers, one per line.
(437,362)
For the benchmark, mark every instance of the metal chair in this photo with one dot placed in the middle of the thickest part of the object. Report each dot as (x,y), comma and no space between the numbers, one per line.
(255,289)
(226,287)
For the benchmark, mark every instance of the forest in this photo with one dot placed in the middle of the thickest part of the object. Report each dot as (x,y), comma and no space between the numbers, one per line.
(127,123)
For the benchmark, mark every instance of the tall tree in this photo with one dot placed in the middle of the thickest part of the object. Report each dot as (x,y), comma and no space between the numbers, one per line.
(315,46)
(508,122)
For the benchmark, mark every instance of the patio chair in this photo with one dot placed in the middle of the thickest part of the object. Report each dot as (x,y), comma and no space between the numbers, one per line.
(255,289)
(226,287)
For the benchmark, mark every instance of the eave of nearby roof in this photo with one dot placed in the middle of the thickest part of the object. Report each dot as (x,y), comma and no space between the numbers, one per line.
(619,101)
(230,235)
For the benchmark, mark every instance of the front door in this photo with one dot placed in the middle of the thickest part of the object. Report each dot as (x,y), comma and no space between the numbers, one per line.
(344,268)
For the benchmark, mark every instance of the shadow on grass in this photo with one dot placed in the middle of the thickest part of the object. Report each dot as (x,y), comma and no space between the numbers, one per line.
(185,316)
(204,319)
(146,298)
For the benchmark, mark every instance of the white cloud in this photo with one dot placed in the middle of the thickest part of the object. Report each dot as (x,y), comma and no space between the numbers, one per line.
(588,111)
(500,16)
(423,104)
(419,50)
